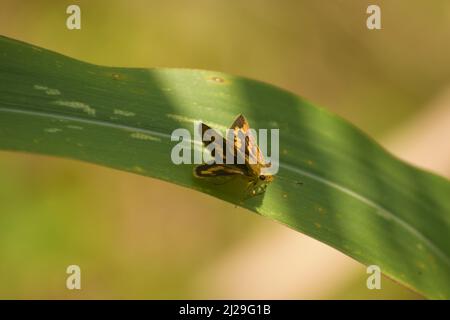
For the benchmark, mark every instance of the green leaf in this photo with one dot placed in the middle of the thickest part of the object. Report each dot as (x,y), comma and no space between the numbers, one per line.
(335,184)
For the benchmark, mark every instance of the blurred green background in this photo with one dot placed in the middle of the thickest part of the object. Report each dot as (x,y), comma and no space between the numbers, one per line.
(136,237)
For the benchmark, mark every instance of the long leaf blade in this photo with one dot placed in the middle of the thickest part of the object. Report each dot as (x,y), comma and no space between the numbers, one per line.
(335,184)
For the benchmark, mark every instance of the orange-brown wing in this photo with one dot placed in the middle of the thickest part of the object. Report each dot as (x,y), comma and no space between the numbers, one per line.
(254,158)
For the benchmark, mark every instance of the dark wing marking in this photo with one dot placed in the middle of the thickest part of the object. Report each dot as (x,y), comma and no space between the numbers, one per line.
(208,138)
(241,123)
(217,170)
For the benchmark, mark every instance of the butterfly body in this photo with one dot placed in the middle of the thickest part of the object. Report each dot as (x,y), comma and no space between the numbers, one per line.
(245,148)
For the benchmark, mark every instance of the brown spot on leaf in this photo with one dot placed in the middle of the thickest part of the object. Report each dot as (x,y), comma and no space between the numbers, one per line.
(217,79)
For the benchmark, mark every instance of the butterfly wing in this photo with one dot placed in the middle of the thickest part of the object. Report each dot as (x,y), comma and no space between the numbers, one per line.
(253,156)
(217,170)
(209,136)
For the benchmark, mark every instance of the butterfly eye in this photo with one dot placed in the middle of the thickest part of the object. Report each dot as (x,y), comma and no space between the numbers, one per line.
(262,177)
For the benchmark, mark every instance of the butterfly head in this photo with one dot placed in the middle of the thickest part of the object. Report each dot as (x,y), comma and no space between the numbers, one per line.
(265,178)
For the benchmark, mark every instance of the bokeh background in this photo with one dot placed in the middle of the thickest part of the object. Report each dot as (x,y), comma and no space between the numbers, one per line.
(137,237)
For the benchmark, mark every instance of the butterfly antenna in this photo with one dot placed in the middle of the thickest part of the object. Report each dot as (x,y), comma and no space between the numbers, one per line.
(290,180)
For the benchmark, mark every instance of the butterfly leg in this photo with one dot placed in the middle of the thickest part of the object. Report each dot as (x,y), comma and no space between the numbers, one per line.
(253,190)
